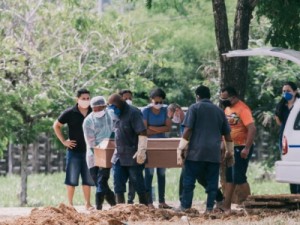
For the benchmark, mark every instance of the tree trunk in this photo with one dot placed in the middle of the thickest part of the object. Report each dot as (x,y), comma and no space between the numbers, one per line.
(24,174)
(233,71)
(240,40)
(223,41)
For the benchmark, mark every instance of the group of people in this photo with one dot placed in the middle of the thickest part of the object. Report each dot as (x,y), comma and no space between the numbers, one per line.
(205,130)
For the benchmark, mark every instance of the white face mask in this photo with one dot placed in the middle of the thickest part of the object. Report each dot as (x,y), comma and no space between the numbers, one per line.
(83,103)
(129,102)
(176,119)
(158,106)
(99,114)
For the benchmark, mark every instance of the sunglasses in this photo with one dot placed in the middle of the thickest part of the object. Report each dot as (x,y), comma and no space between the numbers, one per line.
(156,103)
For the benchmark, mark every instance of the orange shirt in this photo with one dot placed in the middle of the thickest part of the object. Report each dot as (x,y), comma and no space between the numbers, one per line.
(239,116)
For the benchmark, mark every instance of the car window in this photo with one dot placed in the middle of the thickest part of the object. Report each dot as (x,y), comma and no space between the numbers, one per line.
(297,122)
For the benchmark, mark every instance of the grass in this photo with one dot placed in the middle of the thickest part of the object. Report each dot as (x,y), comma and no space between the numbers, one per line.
(44,190)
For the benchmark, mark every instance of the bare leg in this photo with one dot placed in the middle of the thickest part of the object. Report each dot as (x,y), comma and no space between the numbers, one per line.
(87,195)
(229,189)
(70,193)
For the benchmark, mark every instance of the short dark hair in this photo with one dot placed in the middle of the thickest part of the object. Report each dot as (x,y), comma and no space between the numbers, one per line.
(125,91)
(81,92)
(203,92)
(230,90)
(157,92)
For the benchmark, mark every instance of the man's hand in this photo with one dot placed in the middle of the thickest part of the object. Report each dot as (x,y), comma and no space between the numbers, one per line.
(140,155)
(181,151)
(245,153)
(69,143)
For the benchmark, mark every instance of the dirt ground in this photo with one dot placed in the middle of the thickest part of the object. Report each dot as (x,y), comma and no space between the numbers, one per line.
(130,215)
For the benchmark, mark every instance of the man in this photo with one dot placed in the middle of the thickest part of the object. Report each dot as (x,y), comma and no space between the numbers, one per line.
(127,97)
(205,123)
(98,127)
(177,115)
(130,153)
(242,132)
(76,147)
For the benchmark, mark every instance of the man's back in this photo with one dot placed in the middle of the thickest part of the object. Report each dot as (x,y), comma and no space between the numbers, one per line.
(208,124)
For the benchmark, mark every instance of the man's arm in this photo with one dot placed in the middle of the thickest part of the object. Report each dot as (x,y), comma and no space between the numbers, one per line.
(187,132)
(57,130)
(89,135)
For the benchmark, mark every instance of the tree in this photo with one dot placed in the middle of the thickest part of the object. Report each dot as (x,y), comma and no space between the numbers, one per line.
(49,50)
(284,17)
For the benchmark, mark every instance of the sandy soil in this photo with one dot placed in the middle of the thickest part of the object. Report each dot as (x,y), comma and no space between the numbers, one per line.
(125,214)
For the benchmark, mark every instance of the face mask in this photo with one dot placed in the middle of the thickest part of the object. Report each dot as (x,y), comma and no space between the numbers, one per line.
(99,114)
(129,102)
(158,106)
(116,110)
(226,103)
(287,96)
(83,103)
(176,119)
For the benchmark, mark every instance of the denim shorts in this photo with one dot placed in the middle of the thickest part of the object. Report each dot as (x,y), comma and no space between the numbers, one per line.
(75,166)
(237,173)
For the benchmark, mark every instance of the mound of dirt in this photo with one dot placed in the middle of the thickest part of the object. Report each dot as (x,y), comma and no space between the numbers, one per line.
(123,214)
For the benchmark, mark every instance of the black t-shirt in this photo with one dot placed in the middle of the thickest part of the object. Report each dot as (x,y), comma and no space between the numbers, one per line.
(74,119)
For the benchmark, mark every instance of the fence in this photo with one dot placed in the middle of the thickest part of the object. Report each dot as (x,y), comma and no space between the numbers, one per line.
(43,157)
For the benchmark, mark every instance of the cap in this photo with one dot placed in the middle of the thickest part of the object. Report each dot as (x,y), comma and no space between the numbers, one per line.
(98,101)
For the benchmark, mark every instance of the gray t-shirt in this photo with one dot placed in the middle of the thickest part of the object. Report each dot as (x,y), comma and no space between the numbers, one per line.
(208,124)
(127,127)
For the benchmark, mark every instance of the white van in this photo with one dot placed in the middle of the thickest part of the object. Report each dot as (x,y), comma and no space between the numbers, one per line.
(288,169)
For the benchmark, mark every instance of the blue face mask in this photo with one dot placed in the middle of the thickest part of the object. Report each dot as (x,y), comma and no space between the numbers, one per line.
(116,110)
(287,96)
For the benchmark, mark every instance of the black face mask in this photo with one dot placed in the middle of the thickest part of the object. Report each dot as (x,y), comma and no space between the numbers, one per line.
(226,103)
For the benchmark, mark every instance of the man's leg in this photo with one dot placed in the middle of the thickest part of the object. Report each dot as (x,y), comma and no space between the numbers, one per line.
(70,194)
(202,181)
(242,190)
(87,196)
(131,192)
(72,175)
(137,179)
(180,189)
(120,178)
(104,187)
(99,197)
(87,182)
(189,179)
(212,180)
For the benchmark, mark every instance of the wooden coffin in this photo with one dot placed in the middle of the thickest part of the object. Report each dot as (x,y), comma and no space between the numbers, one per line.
(161,152)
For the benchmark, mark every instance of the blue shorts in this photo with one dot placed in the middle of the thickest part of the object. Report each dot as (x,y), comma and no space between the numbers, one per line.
(75,166)
(237,173)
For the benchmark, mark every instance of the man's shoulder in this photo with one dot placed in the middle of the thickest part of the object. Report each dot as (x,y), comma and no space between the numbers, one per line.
(69,110)
(242,105)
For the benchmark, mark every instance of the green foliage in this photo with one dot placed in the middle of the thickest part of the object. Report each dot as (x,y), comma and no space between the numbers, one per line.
(284,16)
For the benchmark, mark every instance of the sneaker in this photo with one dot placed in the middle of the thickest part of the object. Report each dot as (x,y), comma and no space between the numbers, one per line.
(164,206)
